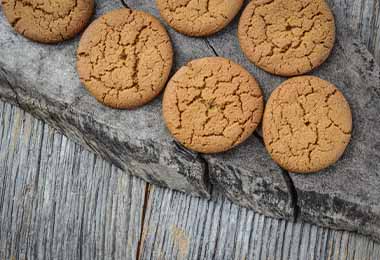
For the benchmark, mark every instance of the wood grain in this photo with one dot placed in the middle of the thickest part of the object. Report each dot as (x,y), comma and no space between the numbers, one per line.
(178,226)
(363,17)
(59,201)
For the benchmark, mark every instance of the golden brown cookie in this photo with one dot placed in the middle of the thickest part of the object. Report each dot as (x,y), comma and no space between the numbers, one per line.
(287,37)
(124,58)
(198,17)
(48,21)
(307,124)
(212,104)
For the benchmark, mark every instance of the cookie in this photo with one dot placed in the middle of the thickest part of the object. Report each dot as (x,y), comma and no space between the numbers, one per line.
(124,58)
(287,37)
(48,21)
(198,17)
(212,104)
(307,124)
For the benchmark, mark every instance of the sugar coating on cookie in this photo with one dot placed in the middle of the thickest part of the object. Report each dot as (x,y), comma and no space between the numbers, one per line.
(307,124)
(212,104)
(287,37)
(48,21)
(198,17)
(124,58)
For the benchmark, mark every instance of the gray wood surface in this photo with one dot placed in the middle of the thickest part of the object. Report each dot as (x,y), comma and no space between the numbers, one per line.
(59,201)
(363,17)
(178,226)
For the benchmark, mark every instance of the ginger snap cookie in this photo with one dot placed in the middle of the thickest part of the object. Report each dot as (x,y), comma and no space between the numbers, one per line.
(307,124)
(287,37)
(124,58)
(212,104)
(198,17)
(48,21)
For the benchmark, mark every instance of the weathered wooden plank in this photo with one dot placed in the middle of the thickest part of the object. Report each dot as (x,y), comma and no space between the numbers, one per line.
(59,201)
(363,17)
(178,226)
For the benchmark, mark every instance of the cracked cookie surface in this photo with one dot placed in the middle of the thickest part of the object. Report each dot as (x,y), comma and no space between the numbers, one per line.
(198,17)
(212,104)
(48,21)
(287,37)
(307,124)
(124,58)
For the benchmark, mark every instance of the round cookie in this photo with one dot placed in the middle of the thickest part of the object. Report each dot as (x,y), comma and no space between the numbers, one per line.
(124,58)
(198,17)
(287,37)
(212,104)
(48,21)
(307,124)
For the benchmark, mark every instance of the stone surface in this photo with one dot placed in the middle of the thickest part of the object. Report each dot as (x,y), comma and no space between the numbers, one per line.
(347,195)
(42,79)
(246,175)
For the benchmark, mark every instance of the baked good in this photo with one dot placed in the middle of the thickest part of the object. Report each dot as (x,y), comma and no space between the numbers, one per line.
(212,104)
(307,124)
(287,37)
(198,17)
(124,58)
(48,21)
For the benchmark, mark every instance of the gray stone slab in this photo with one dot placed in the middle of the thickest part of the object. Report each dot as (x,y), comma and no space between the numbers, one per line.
(245,175)
(42,79)
(347,195)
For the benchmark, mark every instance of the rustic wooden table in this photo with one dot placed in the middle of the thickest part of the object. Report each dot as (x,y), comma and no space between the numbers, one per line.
(59,201)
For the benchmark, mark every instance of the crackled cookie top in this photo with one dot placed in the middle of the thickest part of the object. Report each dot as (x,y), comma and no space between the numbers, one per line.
(307,124)
(212,104)
(48,21)
(198,17)
(287,37)
(124,58)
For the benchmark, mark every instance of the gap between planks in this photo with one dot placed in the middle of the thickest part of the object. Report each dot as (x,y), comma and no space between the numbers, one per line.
(145,205)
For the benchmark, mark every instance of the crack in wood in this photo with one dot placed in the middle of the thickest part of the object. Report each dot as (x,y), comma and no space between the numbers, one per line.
(124,3)
(289,183)
(211,47)
(144,208)
(4,78)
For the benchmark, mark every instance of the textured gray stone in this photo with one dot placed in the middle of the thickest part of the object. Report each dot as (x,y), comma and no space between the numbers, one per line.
(245,175)
(42,79)
(347,195)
